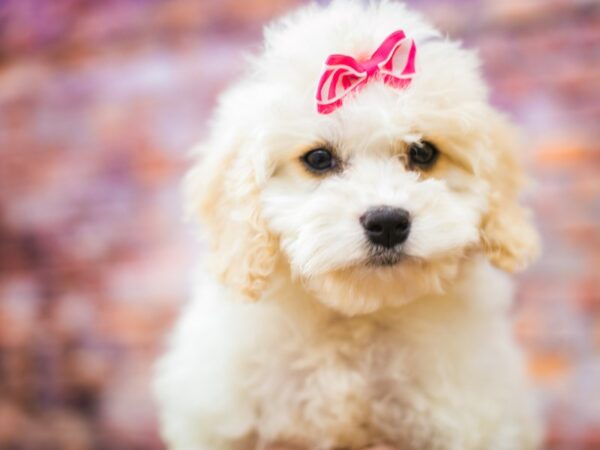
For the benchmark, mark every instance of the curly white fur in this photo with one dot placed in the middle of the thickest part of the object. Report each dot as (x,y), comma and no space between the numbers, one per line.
(336,352)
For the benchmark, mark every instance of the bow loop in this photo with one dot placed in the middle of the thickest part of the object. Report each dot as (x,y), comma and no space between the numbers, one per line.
(393,62)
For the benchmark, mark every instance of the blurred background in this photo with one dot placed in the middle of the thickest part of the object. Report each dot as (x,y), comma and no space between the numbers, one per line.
(99,101)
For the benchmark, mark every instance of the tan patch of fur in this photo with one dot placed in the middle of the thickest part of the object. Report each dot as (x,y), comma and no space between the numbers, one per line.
(507,235)
(224,195)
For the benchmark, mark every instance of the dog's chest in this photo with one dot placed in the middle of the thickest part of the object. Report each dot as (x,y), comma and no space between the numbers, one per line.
(342,387)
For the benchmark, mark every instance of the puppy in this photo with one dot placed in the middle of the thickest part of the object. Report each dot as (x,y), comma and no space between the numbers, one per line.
(360,199)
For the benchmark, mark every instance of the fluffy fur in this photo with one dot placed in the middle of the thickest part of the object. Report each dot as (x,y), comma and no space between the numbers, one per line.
(294,336)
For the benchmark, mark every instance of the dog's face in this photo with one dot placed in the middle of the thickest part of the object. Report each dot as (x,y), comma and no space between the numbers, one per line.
(377,203)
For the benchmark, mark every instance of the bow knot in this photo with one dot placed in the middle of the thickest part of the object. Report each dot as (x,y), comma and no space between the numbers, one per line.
(393,62)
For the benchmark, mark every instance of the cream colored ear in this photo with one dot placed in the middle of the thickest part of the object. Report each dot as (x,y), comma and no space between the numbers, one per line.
(507,233)
(507,236)
(223,192)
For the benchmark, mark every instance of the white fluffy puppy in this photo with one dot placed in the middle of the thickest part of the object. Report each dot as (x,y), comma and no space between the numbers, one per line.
(368,229)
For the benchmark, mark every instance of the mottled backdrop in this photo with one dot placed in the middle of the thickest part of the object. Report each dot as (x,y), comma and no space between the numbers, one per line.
(99,101)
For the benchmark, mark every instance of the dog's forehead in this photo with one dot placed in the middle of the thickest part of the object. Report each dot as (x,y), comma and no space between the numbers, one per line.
(296,49)
(379,115)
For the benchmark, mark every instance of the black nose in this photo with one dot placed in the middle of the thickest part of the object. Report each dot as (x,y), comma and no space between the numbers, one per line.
(386,226)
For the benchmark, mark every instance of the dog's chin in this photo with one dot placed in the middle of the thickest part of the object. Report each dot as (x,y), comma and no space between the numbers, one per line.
(384,278)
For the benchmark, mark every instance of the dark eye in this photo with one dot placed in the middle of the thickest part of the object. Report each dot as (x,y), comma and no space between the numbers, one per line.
(422,154)
(319,160)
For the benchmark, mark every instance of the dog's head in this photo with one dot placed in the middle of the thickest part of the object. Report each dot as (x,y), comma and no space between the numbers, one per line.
(377,202)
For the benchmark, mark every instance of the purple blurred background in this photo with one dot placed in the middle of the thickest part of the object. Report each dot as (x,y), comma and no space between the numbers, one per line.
(99,101)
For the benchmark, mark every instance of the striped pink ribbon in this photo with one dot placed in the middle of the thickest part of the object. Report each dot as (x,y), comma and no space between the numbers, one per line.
(393,62)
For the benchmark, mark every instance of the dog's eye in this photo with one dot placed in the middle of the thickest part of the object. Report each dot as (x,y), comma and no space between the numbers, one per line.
(319,160)
(422,154)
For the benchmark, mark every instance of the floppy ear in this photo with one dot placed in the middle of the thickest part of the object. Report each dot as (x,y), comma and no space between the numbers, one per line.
(507,234)
(223,192)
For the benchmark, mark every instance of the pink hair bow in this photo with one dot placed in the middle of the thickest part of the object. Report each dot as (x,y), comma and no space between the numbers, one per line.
(393,62)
